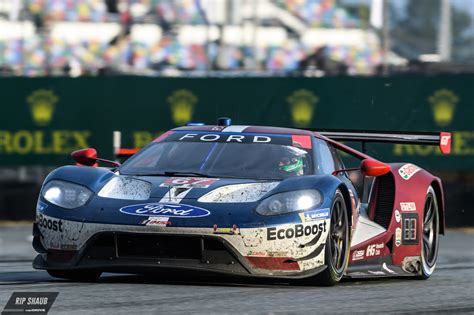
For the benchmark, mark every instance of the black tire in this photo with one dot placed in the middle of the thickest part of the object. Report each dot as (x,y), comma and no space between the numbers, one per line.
(337,244)
(76,275)
(430,235)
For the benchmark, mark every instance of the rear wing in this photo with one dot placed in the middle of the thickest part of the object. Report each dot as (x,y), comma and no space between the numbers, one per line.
(441,139)
(120,152)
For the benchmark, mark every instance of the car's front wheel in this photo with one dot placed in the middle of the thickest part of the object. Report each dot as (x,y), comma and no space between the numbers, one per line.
(76,275)
(430,235)
(337,243)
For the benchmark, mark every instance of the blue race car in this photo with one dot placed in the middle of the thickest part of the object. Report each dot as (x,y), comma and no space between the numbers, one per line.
(239,200)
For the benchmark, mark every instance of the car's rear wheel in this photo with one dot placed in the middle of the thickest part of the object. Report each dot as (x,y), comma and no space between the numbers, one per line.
(430,235)
(76,275)
(337,243)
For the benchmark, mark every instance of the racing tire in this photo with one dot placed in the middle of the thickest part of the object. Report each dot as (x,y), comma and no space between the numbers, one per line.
(429,235)
(337,249)
(76,275)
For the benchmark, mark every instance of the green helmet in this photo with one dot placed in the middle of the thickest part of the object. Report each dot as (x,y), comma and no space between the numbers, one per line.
(294,164)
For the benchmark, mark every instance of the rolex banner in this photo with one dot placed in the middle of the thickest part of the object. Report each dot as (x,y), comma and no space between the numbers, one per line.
(43,120)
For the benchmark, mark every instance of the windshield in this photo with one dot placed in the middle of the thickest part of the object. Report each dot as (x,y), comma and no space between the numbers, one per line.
(216,157)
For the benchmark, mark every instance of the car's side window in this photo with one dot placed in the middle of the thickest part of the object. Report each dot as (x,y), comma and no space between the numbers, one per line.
(348,161)
(338,164)
(323,157)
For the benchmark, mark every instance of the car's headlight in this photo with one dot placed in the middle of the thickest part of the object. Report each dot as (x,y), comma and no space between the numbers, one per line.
(128,188)
(65,194)
(291,201)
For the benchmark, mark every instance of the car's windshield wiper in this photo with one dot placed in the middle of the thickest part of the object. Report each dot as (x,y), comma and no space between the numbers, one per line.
(197,174)
(177,173)
(184,173)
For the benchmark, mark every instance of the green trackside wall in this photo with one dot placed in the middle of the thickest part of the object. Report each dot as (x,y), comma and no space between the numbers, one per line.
(42,120)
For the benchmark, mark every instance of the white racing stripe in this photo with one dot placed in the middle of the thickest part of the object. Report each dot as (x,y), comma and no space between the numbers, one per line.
(235,128)
(249,192)
(172,197)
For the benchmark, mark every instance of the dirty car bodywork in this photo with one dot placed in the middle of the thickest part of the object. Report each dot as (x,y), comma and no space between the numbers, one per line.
(207,216)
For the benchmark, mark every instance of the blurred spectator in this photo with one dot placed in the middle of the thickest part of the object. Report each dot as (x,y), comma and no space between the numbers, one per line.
(41,53)
(321,13)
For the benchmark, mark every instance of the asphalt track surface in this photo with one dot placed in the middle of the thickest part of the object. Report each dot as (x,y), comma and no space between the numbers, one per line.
(449,290)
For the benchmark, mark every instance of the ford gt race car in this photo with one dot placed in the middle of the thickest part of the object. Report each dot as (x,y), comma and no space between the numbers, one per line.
(244,200)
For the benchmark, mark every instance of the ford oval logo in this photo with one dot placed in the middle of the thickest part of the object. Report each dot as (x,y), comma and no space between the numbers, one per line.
(166,210)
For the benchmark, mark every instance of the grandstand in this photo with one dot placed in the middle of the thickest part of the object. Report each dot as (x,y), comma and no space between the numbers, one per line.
(90,37)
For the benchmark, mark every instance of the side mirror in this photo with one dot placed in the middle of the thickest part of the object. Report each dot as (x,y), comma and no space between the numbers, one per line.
(371,167)
(88,157)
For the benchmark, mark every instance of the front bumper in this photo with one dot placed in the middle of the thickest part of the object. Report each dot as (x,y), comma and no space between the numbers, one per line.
(136,249)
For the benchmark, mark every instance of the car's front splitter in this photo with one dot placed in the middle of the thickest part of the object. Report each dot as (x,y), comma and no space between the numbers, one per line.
(289,250)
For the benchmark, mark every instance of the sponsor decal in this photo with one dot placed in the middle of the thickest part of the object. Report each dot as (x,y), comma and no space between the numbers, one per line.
(236,138)
(257,253)
(410,228)
(318,214)
(189,182)
(407,206)
(56,245)
(445,138)
(398,236)
(445,142)
(298,230)
(157,221)
(50,224)
(408,170)
(398,217)
(230,231)
(358,254)
(227,137)
(374,250)
(164,209)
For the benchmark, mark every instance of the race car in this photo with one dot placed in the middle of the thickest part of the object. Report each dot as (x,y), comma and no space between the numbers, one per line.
(244,200)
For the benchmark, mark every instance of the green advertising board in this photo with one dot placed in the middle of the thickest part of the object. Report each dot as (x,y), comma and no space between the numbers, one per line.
(42,120)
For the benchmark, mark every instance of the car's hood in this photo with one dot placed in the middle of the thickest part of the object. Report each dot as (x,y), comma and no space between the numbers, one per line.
(186,201)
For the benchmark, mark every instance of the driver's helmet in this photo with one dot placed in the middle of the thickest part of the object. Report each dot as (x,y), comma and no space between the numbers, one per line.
(291,165)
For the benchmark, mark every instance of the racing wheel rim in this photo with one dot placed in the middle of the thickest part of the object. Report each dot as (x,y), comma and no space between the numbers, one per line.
(338,236)
(430,232)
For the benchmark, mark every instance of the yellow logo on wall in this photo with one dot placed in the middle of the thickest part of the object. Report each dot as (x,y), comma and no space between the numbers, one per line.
(42,103)
(182,106)
(443,102)
(302,104)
